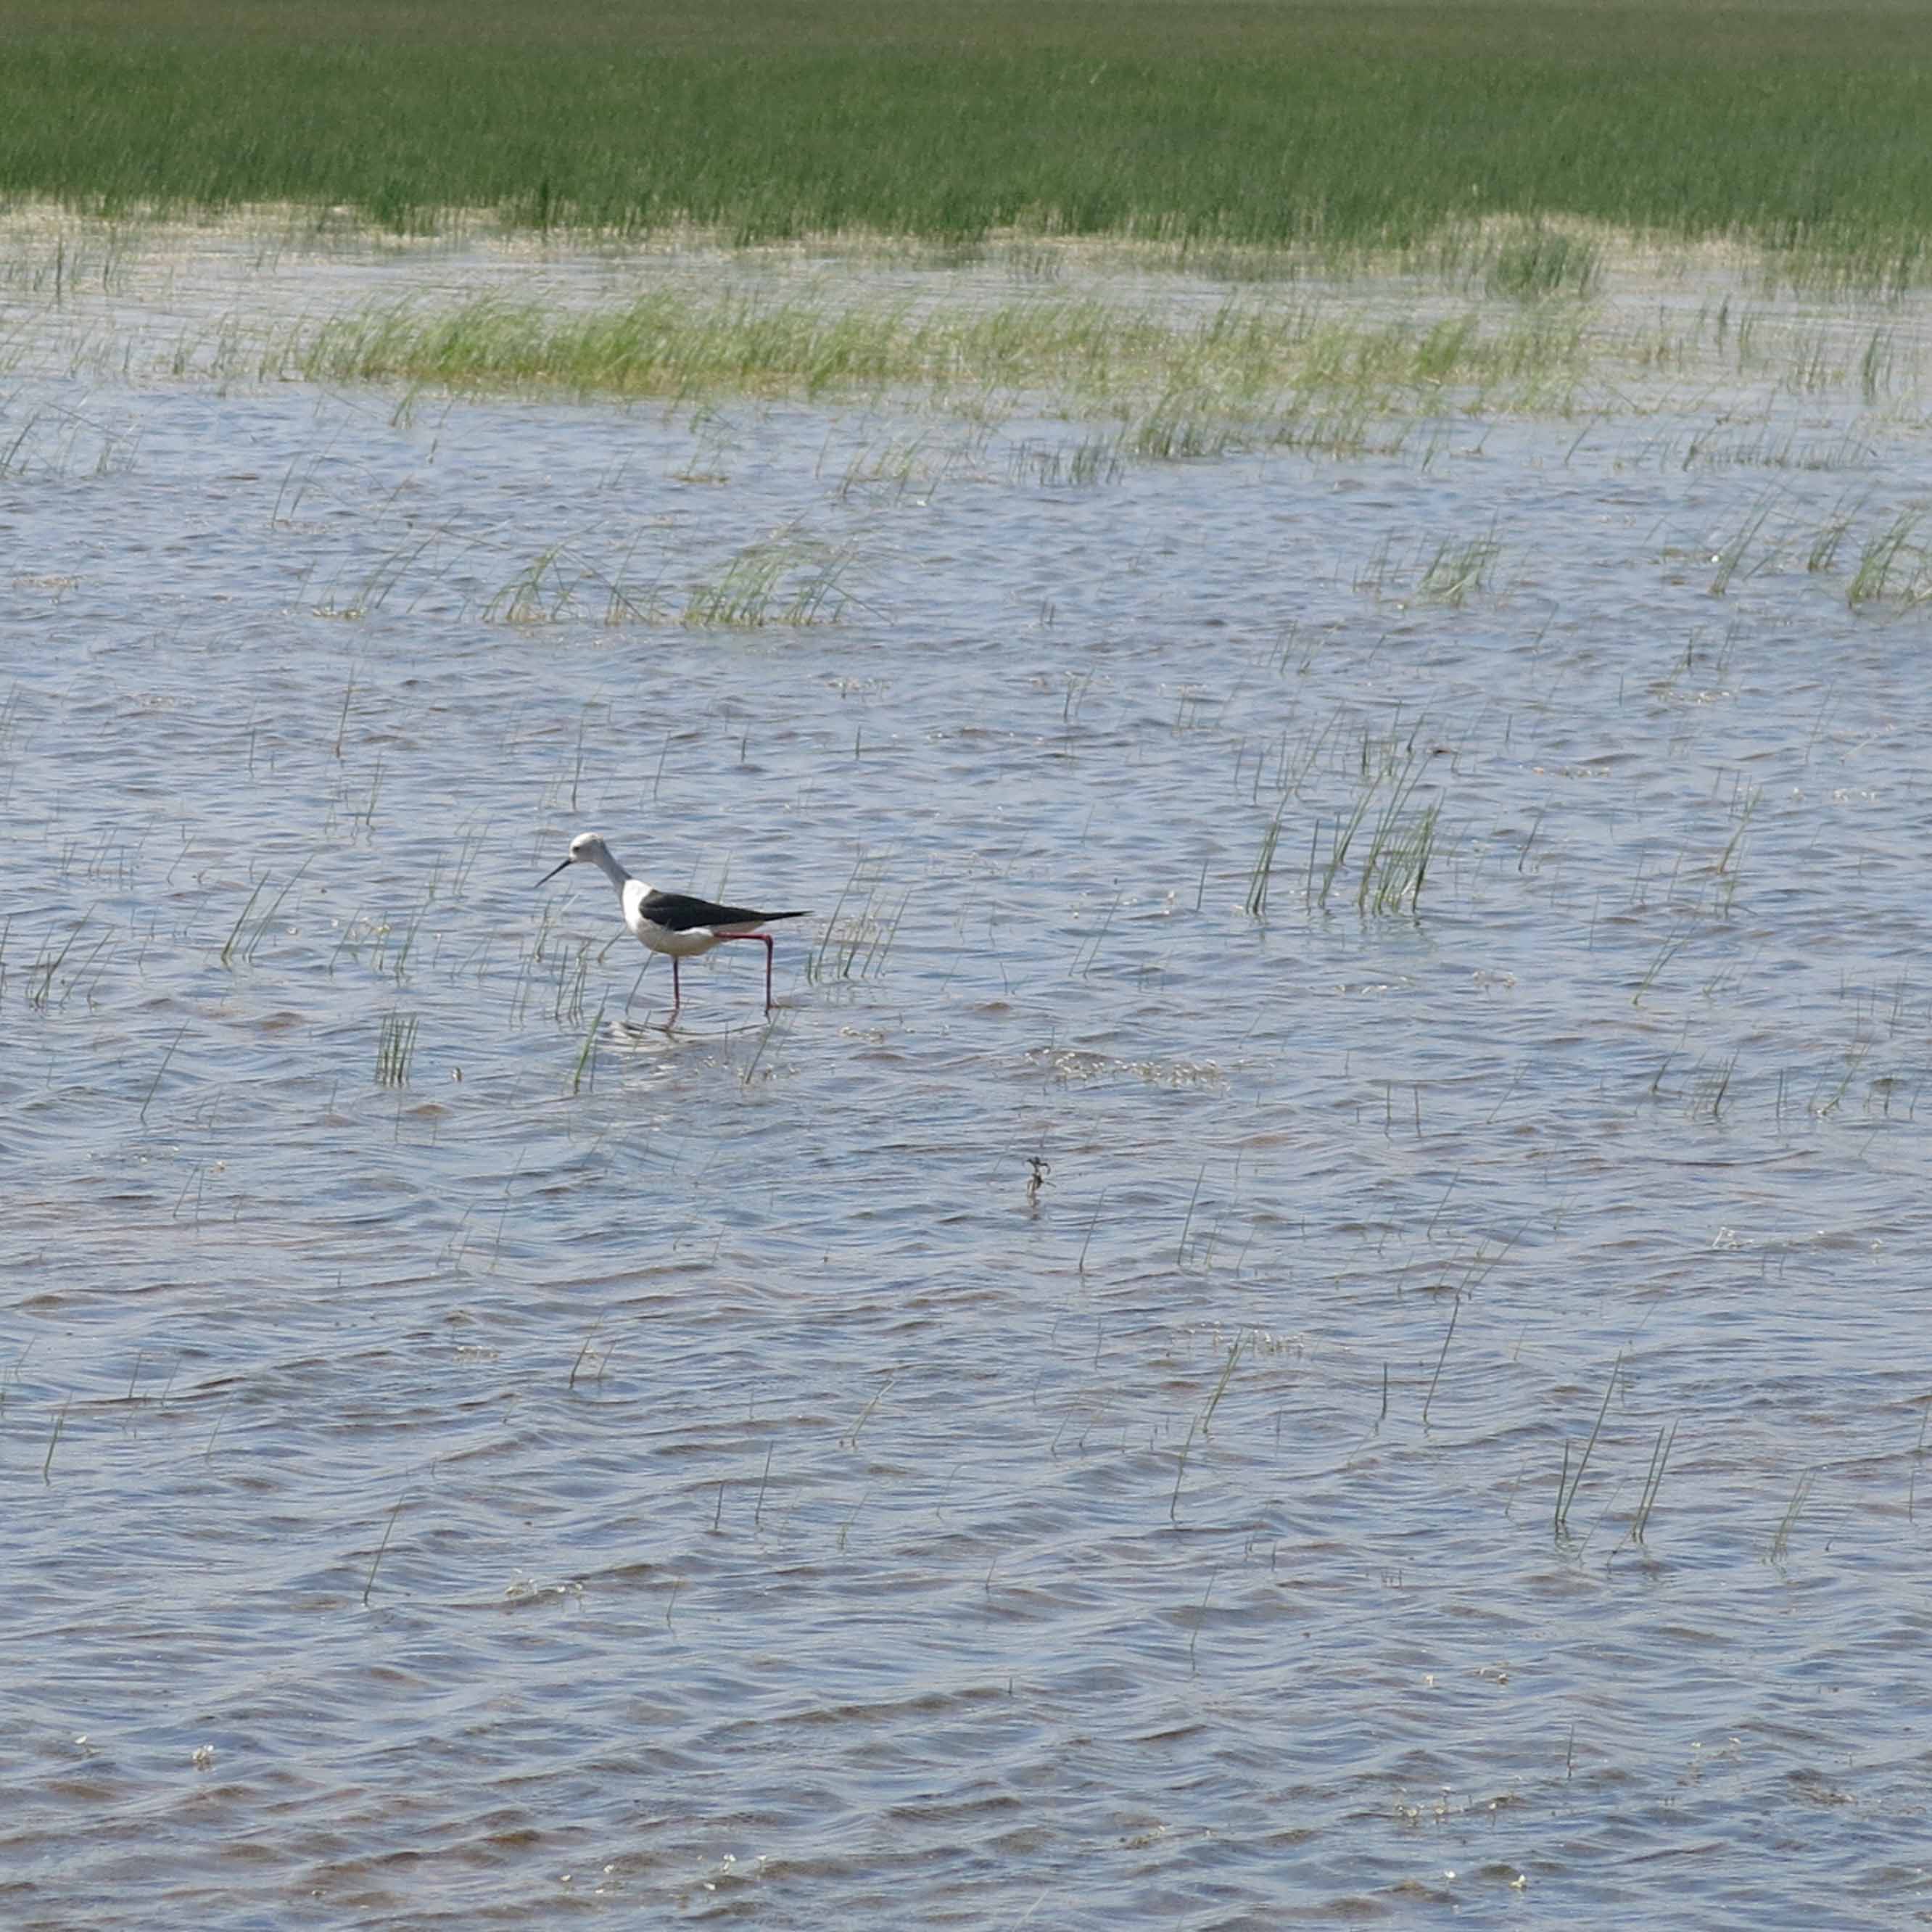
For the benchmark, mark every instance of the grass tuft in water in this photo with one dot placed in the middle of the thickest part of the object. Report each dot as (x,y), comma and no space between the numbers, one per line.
(395,1045)
(1567,1485)
(1780,1541)
(1890,565)
(858,937)
(1459,570)
(1400,849)
(786,580)
(1545,261)
(1263,868)
(584,1074)
(1653,1481)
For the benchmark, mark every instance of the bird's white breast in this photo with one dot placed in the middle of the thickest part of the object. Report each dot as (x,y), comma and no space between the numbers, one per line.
(630,897)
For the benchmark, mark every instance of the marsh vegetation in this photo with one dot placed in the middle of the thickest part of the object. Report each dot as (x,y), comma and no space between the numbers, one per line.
(1255,123)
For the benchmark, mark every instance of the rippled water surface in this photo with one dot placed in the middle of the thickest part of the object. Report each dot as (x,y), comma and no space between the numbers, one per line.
(1160,1386)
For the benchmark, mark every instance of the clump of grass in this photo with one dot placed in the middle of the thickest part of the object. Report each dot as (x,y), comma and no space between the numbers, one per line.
(241,920)
(395,1046)
(1567,1485)
(1087,464)
(1653,1481)
(1875,367)
(1401,841)
(40,975)
(786,580)
(542,592)
(1780,1541)
(1176,430)
(1823,554)
(1341,838)
(1710,1087)
(353,602)
(1263,868)
(1665,954)
(1890,565)
(1459,569)
(1731,554)
(1399,850)
(1544,261)
(585,1072)
(858,938)
(550,589)
(1840,264)
(901,467)
(245,947)
(1730,863)
(1182,384)
(57,445)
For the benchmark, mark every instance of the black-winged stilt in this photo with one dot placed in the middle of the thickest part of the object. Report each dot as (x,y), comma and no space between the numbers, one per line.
(674,922)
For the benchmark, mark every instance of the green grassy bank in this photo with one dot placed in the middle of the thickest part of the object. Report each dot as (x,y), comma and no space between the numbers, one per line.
(1367,123)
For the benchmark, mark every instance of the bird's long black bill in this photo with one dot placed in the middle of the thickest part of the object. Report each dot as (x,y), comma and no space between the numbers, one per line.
(552,874)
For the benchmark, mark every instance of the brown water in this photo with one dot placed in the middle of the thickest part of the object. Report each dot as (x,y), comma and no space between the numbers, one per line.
(623,1474)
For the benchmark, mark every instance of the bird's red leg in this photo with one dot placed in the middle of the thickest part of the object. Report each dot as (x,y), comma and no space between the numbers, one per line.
(676,992)
(764,939)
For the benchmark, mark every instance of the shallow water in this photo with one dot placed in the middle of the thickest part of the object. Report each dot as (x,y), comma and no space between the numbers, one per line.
(618,1472)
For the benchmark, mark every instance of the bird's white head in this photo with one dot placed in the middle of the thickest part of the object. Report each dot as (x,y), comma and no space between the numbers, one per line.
(587,848)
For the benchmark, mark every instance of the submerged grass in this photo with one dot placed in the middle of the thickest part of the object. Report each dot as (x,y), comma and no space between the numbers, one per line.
(787,579)
(1178,380)
(1241,122)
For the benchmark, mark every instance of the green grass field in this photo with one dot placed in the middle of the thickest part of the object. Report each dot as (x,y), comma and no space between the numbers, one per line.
(1368,124)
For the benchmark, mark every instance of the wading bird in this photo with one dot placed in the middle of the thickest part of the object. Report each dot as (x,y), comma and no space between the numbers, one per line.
(674,922)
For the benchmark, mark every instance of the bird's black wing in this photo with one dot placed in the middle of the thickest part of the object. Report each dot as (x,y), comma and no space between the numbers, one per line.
(679,912)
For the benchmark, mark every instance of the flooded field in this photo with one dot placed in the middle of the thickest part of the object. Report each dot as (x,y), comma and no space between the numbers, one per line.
(1312,1308)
